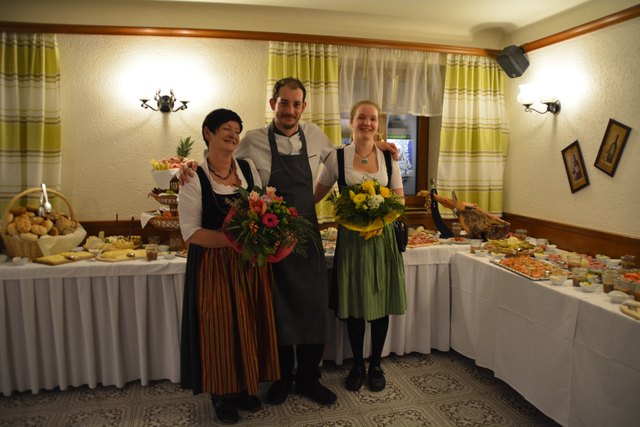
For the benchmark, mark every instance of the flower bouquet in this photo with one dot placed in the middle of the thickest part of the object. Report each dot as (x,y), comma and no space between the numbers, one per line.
(262,228)
(366,207)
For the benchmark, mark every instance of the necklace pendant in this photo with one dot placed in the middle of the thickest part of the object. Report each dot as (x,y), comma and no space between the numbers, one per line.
(364,160)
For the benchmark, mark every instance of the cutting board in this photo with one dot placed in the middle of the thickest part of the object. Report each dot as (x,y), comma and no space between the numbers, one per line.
(122,255)
(64,258)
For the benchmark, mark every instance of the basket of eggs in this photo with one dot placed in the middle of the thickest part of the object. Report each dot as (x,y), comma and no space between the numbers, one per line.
(28,231)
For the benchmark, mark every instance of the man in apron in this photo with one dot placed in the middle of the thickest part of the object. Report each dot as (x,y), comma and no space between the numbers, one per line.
(282,153)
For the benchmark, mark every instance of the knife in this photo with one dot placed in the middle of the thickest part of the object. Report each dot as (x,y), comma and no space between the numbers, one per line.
(455,210)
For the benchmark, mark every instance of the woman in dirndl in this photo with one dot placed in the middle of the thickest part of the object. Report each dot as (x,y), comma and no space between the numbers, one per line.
(228,342)
(369,282)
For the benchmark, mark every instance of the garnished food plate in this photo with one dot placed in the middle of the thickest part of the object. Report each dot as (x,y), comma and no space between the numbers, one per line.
(532,269)
(458,240)
(420,239)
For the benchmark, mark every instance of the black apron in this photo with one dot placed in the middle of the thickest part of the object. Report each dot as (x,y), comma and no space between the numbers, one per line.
(300,291)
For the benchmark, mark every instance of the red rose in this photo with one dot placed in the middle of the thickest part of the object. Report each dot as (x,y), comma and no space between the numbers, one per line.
(293,212)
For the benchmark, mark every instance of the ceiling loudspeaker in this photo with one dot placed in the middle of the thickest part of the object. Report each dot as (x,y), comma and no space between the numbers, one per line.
(513,61)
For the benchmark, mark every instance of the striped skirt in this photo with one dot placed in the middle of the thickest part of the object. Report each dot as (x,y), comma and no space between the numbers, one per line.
(237,346)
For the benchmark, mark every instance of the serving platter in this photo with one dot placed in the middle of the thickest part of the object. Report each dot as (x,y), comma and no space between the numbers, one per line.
(458,240)
(550,269)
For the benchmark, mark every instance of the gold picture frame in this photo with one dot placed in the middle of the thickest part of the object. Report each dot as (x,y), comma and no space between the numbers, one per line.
(574,166)
(613,142)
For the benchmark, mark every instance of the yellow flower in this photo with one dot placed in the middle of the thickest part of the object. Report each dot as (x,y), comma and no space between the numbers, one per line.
(385,192)
(369,187)
(352,195)
(359,199)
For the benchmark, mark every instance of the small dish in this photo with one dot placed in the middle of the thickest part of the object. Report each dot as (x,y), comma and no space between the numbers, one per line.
(588,286)
(482,252)
(558,280)
(617,297)
(3,258)
(163,248)
(550,248)
(170,255)
(611,262)
(18,260)
(497,255)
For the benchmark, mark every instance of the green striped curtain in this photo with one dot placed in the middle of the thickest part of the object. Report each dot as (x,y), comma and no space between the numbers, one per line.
(316,65)
(475,133)
(29,113)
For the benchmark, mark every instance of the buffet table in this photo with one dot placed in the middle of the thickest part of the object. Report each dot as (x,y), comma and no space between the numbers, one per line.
(91,322)
(572,354)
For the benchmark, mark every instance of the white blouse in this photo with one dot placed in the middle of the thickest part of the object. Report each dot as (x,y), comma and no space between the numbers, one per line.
(190,198)
(329,174)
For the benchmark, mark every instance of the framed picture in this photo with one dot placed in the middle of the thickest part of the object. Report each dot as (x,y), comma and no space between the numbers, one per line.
(611,148)
(574,165)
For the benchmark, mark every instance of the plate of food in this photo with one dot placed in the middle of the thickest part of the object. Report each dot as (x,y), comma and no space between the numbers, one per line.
(422,238)
(458,240)
(531,268)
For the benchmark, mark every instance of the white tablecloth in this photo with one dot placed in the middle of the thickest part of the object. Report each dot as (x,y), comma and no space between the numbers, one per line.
(571,354)
(426,324)
(89,323)
(110,323)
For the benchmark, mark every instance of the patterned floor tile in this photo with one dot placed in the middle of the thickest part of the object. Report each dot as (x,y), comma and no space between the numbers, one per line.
(439,389)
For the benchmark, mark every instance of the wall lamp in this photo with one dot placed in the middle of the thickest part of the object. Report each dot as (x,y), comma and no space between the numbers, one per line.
(528,96)
(165,103)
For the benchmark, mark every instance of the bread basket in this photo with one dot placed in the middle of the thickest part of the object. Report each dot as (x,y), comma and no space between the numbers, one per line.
(16,246)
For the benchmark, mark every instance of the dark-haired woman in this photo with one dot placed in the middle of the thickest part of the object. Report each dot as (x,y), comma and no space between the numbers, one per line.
(228,343)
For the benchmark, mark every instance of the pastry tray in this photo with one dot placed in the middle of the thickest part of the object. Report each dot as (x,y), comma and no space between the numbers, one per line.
(519,273)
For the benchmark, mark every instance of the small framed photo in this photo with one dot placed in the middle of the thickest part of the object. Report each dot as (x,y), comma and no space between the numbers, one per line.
(574,165)
(611,148)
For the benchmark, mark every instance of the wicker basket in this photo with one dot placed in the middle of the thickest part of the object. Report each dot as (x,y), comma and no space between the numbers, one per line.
(17,246)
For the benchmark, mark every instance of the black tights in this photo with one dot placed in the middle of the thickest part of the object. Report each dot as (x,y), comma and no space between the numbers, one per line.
(356,328)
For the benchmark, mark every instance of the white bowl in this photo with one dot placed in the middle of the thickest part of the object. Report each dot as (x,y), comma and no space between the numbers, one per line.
(617,297)
(550,248)
(18,260)
(558,280)
(497,255)
(163,248)
(588,286)
(611,262)
(482,252)
(170,255)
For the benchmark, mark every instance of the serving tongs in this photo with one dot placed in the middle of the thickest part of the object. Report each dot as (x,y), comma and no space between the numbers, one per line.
(45,206)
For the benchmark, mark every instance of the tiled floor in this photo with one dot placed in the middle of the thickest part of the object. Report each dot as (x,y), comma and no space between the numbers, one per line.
(439,389)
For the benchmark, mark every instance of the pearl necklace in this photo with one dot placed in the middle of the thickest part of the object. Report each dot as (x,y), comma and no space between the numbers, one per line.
(365,159)
(231,170)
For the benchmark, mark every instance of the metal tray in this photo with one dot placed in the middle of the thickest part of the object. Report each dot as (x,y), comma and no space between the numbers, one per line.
(519,273)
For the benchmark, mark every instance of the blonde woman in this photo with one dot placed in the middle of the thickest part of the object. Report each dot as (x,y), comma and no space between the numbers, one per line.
(370,282)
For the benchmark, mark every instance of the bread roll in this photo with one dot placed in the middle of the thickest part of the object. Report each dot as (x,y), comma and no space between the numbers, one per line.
(37,220)
(18,210)
(11,229)
(48,224)
(38,229)
(29,237)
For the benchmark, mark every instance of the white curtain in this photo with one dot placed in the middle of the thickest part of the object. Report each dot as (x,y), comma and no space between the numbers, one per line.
(399,81)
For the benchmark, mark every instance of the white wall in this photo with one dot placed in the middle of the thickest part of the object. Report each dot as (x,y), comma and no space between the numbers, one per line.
(596,78)
(108,139)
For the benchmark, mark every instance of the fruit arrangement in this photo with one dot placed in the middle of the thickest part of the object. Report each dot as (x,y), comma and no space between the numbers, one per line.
(175,162)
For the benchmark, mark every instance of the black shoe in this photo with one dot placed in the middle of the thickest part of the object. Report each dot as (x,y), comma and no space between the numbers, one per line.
(317,392)
(278,392)
(377,382)
(226,411)
(248,403)
(355,378)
